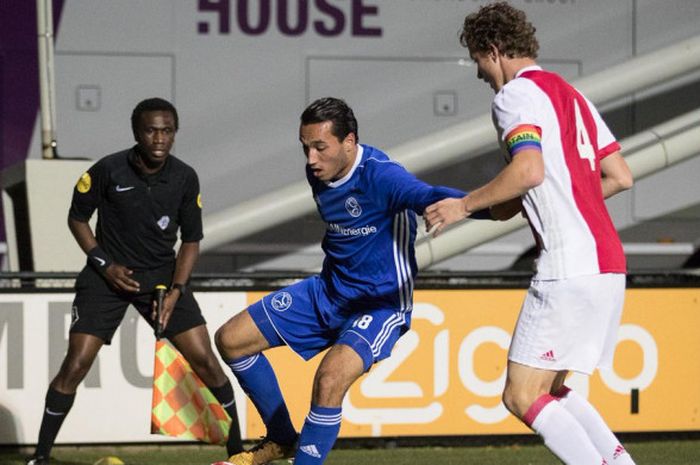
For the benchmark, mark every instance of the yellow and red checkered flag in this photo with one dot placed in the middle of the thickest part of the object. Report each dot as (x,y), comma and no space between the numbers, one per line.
(182,405)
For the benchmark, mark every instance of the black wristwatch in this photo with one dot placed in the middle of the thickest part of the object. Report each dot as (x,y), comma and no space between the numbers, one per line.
(180,287)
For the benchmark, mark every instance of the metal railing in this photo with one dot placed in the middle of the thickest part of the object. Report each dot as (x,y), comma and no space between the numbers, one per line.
(27,282)
(457,143)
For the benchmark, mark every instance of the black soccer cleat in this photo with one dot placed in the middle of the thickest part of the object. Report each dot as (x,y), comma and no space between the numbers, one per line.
(37,460)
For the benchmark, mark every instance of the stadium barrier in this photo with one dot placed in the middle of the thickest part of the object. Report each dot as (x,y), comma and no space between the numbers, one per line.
(444,377)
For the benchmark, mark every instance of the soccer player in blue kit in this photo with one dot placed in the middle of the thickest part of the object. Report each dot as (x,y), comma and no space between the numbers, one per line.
(360,303)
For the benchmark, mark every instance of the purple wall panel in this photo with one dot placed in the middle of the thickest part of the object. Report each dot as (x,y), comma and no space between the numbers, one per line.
(19,78)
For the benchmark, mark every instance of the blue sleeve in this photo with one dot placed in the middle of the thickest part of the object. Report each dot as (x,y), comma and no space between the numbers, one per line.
(405,191)
(408,192)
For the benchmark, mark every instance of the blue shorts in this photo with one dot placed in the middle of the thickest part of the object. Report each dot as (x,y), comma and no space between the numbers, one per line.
(304,317)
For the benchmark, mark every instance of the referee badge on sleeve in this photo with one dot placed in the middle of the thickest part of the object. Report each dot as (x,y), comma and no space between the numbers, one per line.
(84,183)
(199,200)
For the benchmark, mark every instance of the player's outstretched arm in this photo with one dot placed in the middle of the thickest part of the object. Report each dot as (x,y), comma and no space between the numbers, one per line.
(523,173)
(444,213)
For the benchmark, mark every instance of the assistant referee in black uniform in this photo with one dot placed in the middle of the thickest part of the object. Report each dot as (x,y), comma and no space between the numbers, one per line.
(143,196)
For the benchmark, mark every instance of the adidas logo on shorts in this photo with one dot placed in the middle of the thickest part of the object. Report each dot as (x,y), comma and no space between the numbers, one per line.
(619,450)
(548,356)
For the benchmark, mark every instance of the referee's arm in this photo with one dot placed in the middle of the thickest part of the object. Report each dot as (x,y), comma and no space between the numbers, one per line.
(118,276)
(184,264)
(82,232)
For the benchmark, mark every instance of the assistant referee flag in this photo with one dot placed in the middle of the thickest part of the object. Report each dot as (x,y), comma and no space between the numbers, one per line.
(182,405)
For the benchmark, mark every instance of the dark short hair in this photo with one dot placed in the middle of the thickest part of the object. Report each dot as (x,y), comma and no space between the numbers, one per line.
(152,104)
(334,110)
(501,25)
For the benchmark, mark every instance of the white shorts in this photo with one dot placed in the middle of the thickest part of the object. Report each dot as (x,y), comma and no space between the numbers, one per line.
(569,324)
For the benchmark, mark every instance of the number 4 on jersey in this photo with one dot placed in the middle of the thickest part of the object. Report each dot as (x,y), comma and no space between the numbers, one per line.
(583,142)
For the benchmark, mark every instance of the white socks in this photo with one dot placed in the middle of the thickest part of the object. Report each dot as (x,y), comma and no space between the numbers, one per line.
(598,431)
(562,434)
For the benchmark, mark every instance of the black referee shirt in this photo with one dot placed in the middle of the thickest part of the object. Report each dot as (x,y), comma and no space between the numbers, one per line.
(138,215)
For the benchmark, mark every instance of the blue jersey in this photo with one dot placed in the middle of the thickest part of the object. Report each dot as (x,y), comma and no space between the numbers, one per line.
(371,230)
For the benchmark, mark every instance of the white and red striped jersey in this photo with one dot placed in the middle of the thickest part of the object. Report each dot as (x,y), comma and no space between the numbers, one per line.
(567,212)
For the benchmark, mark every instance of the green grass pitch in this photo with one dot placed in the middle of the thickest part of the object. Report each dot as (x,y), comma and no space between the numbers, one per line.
(667,452)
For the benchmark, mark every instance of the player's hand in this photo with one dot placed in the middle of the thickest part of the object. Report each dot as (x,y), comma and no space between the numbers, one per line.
(119,277)
(442,214)
(169,302)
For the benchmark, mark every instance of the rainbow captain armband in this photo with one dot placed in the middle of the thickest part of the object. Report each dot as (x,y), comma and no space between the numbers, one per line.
(99,259)
(525,136)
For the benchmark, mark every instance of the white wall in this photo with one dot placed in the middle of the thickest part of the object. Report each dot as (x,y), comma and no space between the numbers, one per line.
(240,95)
(113,403)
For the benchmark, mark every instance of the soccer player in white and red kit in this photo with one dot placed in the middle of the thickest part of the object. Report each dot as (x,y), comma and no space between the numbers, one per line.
(563,161)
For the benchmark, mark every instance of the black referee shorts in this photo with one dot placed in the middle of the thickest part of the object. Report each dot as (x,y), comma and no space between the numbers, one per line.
(98,309)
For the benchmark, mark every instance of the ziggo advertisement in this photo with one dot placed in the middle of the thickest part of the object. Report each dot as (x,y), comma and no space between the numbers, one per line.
(446,375)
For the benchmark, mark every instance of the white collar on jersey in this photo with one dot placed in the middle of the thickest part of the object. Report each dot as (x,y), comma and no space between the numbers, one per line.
(528,68)
(345,178)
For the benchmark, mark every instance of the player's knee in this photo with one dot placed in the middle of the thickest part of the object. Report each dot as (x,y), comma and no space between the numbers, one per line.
(230,337)
(72,372)
(208,369)
(329,389)
(326,382)
(509,401)
(224,342)
(518,400)
(202,361)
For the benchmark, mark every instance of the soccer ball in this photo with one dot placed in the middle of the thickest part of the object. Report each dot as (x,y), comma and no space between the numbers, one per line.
(111,460)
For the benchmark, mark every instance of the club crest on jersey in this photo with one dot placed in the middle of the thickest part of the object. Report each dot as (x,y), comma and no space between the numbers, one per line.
(163,222)
(281,301)
(353,207)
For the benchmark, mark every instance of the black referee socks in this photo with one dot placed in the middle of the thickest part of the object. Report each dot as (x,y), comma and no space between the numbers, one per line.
(56,409)
(224,394)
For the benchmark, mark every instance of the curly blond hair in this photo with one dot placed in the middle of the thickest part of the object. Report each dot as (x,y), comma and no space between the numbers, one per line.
(501,25)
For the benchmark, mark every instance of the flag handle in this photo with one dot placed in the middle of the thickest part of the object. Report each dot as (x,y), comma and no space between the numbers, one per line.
(158,295)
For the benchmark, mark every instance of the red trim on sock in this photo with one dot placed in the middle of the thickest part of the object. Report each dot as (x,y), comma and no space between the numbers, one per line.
(536,408)
(562,392)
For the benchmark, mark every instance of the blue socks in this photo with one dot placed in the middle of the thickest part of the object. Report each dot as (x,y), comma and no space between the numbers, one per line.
(322,424)
(258,380)
(320,431)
